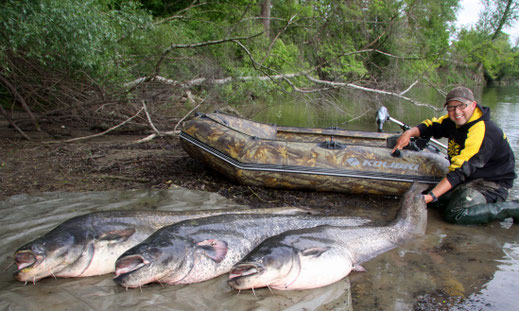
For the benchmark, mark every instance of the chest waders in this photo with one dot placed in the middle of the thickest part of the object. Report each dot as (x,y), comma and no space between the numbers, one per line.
(466,205)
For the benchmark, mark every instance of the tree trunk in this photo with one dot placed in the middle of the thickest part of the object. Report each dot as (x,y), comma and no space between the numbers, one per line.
(265,15)
(502,21)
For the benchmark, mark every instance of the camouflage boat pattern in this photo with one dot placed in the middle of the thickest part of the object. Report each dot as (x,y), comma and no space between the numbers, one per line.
(258,154)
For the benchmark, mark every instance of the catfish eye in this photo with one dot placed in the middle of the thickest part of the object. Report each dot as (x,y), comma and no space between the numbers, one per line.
(154,252)
(268,260)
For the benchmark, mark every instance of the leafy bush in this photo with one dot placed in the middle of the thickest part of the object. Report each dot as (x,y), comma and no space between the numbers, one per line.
(70,35)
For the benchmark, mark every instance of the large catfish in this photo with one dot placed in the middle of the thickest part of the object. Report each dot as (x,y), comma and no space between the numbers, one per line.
(315,257)
(197,250)
(88,245)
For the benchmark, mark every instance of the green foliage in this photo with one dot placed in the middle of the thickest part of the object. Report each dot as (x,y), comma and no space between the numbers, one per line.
(497,57)
(378,42)
(282,57)
(70,35)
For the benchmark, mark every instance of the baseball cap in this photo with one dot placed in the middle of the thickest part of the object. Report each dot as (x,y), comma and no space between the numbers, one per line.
(461,94)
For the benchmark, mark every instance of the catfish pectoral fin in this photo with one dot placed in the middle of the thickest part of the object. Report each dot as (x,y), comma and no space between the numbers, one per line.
(117,235)
(359,268)
(214,249)
(315,251)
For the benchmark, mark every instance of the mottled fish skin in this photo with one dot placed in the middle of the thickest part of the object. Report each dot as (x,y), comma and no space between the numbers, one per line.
(315,257)
(198,250)
(89,245)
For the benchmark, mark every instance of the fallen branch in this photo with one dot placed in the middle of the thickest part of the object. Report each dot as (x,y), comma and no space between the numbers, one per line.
(175,131)
(190,97)
(124,178)
(366,89)
(6,116)
(409,88)
(99,134)
(149,118)
(20,99)
(255,194)
(357,117)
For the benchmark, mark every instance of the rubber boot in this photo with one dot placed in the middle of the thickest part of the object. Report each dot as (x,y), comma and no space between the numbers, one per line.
(468,206)
(459,201)
(485,213)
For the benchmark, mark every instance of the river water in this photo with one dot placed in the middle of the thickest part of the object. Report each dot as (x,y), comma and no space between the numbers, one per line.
(452,267)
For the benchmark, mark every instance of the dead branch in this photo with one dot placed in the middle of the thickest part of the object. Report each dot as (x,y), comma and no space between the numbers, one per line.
(175,131)
(362,88)
(20,99)
(99,134)
(123,178)
(206,43)
(8,118)
(149,118)
(357,117)
(287,77)
(196,45)
(190,97)
(409,88)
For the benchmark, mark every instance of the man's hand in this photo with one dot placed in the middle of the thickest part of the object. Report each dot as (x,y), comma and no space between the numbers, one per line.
(428,198)
(405,138)
(402,141)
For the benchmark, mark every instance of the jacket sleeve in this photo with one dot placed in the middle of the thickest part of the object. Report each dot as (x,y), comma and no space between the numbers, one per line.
(434,127)
(475,154)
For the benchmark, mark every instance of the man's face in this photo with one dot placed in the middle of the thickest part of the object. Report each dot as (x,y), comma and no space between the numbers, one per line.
(460,112)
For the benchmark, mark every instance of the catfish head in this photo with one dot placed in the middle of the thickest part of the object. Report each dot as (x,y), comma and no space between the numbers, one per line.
(163,258)
(289,266)
(66,251)
(48,255)
(266,266)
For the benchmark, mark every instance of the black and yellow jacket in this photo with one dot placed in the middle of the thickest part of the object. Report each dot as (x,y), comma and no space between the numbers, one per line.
(477,149)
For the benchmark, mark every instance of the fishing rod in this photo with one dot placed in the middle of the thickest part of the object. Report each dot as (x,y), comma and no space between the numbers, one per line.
(383,116)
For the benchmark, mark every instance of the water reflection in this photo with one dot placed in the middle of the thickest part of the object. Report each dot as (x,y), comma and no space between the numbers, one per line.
(495,295)
(504,104)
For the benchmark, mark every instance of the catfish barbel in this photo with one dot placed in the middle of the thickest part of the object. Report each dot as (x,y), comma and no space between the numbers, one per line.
(315,257)
(88,245)
(197,250)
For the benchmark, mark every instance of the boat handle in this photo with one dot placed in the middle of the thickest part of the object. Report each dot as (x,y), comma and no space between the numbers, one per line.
(396,154)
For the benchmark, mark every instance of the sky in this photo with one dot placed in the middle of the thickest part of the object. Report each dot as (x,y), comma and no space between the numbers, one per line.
(468,16)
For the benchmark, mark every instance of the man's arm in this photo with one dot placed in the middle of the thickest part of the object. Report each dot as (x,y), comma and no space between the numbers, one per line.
(444,185)
(405,138)
(440,189)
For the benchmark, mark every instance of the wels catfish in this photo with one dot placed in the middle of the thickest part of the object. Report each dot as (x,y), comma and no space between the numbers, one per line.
(198,250)
(88,245)
(315,257)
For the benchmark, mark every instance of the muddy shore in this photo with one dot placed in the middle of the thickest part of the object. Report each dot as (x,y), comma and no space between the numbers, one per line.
(116,162)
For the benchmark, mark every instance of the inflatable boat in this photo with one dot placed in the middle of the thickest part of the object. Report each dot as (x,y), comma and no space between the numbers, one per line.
(319,159)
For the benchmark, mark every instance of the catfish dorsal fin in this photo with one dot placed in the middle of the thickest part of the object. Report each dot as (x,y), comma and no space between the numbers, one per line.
(117,235)
(214,249)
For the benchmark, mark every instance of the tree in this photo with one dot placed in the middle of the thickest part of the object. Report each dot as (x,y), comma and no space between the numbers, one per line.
(265,16)
(495,15)
(144,61)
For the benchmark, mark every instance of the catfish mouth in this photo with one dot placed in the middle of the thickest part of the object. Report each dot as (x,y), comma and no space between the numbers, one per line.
(129,264)
(245,269)
(26,259)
